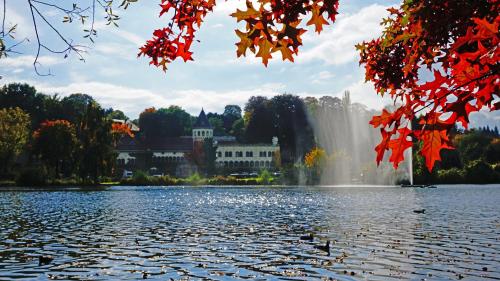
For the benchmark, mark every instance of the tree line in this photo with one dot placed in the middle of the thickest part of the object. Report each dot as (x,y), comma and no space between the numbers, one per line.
(48,136)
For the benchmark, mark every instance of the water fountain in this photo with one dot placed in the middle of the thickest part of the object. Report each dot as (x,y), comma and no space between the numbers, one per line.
(342,129)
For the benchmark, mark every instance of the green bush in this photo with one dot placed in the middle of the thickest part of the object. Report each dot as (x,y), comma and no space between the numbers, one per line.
(221,180)
(264,177)
(196,179)
(451,176)
(32,176)
(65,182)
(140,176)
(478,171)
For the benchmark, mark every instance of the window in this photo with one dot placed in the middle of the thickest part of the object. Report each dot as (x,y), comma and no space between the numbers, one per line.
(198,133)
(239,154)
(269,154)
(262,154)
(228,154)
(203,133)
(219,154)
(249,154)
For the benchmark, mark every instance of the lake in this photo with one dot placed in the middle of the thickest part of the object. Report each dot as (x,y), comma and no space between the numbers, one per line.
(227,233)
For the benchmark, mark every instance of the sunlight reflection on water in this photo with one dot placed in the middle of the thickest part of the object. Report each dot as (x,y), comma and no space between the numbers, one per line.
(247,233)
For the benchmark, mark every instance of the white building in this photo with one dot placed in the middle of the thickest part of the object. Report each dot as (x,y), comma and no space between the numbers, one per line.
(254,156)
(169,155)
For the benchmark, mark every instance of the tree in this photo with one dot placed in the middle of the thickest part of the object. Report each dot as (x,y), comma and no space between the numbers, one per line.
(74,108)
(473,145)
(14,132)
(292,127)
(55,142)
(238,130)
(117,114)
(455,42)
(259,122)
(27,99)
(315,160)
(96,153)
(165,122)
(217,122)
(231,114)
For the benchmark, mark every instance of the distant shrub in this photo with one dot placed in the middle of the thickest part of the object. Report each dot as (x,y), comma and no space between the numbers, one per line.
(196,179)
(65,182)
(222,180)
(251,182)
(478,171)
(32,176)
(264,177)
(138,178)
(451,176)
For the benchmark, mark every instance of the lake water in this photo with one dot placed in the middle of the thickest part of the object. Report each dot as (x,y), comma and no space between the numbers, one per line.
(223,233)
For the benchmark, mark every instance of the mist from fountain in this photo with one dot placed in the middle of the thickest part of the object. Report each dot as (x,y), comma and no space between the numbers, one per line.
(342,129)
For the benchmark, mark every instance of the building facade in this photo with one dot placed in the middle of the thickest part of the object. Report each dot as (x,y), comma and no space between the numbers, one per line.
(173,156)
(235,156)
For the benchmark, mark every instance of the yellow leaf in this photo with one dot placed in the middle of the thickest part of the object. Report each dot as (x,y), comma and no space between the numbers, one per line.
(286,53)
(250,13)
(244,43)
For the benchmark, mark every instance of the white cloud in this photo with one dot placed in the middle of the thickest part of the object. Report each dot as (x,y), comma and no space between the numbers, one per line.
(335,46)
(225,8)
(123,51)
(485,118)
(27,61)
(24,27)
(322,77)
(128,36)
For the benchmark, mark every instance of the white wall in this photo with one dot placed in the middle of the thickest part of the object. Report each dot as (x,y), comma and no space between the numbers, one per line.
(256,160)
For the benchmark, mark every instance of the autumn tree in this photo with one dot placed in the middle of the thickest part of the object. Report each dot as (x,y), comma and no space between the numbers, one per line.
(315,161)
(456,43)
(14,133)
(56,143)
(119,130)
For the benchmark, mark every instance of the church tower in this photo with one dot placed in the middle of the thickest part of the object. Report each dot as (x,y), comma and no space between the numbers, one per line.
(202,128)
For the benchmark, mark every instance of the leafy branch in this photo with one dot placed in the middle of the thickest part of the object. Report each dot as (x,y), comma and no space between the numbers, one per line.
(71,13)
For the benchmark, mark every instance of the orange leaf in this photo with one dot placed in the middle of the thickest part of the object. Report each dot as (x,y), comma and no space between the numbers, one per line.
(264,50)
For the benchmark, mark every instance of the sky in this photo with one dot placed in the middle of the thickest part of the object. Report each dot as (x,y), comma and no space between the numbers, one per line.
(327,63)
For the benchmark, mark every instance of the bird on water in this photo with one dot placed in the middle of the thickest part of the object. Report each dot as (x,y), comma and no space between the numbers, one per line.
(44,260)
(324,248)
(309,237)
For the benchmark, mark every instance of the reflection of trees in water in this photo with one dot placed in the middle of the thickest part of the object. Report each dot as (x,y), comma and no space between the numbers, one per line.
(342,129)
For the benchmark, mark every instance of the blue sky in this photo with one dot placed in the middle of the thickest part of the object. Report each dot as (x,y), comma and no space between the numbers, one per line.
(327,63)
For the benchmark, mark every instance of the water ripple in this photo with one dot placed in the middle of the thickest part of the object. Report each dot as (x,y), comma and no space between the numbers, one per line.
(240,233)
